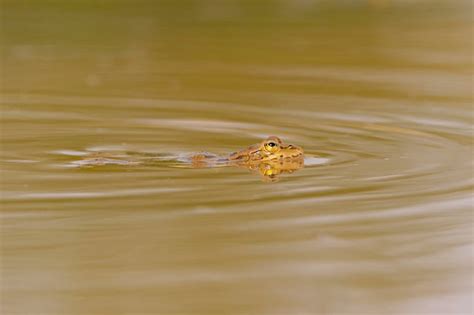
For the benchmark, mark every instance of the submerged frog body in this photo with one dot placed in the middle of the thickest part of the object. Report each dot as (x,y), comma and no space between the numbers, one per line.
(270,158)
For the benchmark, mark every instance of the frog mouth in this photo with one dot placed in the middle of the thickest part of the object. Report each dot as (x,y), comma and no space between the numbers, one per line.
(285,154)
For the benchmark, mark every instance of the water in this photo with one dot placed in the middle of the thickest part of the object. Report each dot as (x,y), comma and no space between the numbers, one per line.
(377,93)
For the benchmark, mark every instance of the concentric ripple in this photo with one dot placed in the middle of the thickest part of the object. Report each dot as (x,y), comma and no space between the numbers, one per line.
(394,156)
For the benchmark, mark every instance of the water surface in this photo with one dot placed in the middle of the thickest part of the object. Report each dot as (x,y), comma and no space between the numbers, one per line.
(378,93)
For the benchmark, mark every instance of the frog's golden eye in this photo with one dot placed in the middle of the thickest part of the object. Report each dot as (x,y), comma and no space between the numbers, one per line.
(271,146)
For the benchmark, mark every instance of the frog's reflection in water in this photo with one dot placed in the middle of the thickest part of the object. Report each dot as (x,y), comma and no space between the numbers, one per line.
(271,171)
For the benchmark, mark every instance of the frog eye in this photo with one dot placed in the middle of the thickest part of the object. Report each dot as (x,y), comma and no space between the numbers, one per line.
(271,146)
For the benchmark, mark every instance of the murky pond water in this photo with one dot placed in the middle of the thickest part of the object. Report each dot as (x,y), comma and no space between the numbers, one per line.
(378,93)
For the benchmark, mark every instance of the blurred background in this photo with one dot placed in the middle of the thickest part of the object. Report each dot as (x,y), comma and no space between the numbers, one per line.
(378,91)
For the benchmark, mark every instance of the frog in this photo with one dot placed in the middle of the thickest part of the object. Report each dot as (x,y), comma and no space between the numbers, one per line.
(270,158)
(272,149)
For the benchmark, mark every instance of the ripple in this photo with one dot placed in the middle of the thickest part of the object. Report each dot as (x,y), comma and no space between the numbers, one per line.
(90,194)
(403,212)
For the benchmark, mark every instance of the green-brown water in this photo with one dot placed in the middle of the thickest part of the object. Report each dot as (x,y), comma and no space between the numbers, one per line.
(380,89)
